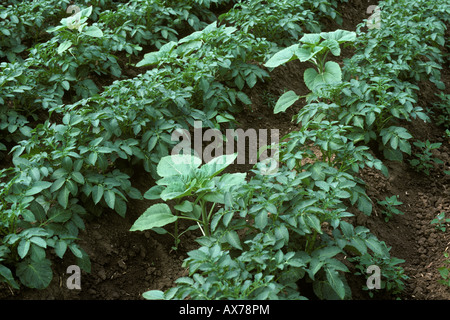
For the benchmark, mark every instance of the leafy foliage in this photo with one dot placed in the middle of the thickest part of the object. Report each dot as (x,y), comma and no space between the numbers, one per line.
(72,143)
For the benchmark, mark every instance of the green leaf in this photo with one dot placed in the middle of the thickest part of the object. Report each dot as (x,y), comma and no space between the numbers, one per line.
(60,248)
(35,274)
(97,193)
(375,245)
(120,206)
(335,282)
(364,205)
(331,73)
(153,295)
(158,215)
(23,248)
(154,192)
(310,38)
(244,98)
(281,57)
(38,187)
(185,206)
(39,242)
(110,198)
(285,101)
(327,252)
(218,164)
(78,177)
(261,220)
(6,274)
(305,54)
(313,222)
(93,31)
(339,35)
(64,46)
(233,239)
(177,165)
(63,197)
(56,214)
(38,210)
(175,190)
(57,184)
(332,45)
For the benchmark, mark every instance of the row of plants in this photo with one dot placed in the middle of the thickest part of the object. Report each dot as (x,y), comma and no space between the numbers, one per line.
(70,65)
(19,21)
(276,233)
(64,170)
(77,161)
(281,22)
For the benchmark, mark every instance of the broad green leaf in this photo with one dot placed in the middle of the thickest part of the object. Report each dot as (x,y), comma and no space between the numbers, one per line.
(323,185)
(229,180)
(6,274)
(375,245)
(35,274)
(359,245)
(175,190)
(233,239)
(314,266)
(244,98)
(332,45)
(185,206)
(261,219)
(64,46)
(57,184)
(57,214)
(93,31)
(347,229)
(313,222)
(23,248)
(310,38)
(110,198)
(177,165)
(60,248)
(63,197)
(154,192)
(75,250)
(120,206)
(78,177)
(306,53)
(38,210)
(158,215)
(365,205)
(39,242)
(339,35)
(327,252)
(331,73)
(218,164)
(154,57)
(285,101)
(153,295)
(38,187)
(335,282)
(281,57)
(84,262)
(97,193)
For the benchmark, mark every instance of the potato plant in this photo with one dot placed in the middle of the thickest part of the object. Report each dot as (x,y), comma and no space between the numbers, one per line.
(73,143)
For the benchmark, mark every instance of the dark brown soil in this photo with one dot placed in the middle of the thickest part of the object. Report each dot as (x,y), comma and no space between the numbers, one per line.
(125,264)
